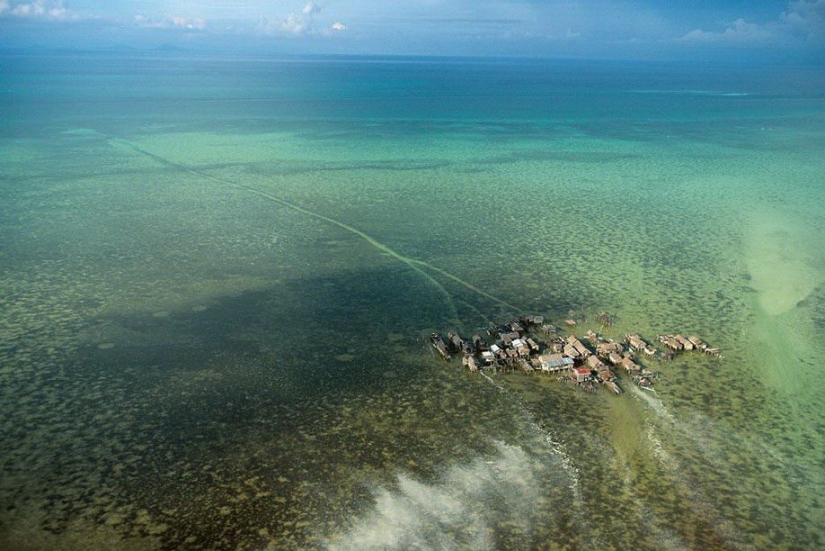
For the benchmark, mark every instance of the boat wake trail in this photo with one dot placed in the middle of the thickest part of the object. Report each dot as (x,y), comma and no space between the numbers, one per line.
(547,439)
(653,403)
(697,431)
(419,266)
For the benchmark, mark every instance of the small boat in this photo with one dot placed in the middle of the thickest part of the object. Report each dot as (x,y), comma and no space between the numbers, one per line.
(440,347)
(613,386)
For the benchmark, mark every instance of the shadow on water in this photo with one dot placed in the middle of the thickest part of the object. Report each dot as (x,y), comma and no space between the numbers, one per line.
(261,417)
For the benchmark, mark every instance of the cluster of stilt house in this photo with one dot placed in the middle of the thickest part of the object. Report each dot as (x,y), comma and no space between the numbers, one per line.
(531,345)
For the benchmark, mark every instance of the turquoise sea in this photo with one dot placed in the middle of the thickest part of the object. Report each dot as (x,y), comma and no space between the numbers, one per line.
(218,276)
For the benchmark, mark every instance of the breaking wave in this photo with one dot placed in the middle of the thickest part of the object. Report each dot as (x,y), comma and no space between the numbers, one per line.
(709,93)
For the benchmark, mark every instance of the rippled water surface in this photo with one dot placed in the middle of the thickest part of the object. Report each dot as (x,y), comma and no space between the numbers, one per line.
(218,276)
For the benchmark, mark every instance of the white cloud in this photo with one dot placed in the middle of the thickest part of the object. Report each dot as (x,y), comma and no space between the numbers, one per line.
(172,22)
(806,18)
(304,22)
(310,8)
(543,27)
(296,24)
(301,23)
(41,9)
(802,20)
(738,31)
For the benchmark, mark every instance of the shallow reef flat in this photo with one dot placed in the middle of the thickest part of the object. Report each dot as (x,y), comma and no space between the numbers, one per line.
(214,326)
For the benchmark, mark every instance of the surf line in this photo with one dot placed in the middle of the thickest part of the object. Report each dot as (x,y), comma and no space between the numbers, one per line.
(419,266)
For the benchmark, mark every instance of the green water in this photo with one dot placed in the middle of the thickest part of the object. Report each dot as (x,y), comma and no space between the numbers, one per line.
(216,293)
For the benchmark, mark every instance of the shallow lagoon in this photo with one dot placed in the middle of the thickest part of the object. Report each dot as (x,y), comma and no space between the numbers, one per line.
(216,292)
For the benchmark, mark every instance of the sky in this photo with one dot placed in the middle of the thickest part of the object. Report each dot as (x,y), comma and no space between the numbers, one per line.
(746,30)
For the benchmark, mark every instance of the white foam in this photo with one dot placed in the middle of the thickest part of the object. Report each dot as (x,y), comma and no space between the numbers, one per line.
(709,93)
(459,512)
(549,441)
